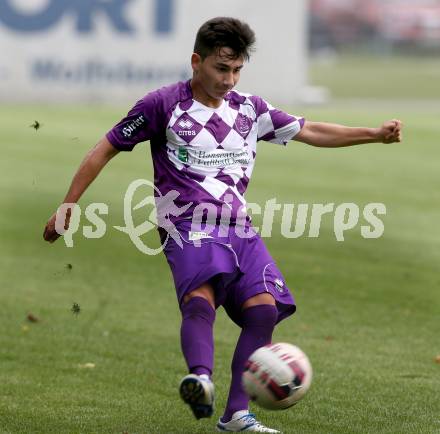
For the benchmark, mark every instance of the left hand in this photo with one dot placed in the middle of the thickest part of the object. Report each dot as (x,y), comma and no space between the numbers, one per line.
(390,131)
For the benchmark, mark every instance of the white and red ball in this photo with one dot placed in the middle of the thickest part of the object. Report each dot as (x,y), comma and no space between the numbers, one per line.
(277,376)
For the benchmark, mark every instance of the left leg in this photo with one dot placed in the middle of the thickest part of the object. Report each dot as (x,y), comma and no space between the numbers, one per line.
(256,302)
(259,316)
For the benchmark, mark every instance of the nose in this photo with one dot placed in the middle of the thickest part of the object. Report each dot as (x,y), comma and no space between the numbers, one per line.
(228,80)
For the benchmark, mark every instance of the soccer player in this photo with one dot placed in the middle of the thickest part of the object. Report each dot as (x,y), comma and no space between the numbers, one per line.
(203,137)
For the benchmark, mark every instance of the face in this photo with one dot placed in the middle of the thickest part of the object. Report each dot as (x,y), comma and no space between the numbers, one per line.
(217,74)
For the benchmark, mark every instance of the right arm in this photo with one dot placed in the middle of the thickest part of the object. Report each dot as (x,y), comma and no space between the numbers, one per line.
(89,169)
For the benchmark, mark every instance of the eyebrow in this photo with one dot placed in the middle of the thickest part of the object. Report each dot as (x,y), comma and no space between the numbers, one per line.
(225,65)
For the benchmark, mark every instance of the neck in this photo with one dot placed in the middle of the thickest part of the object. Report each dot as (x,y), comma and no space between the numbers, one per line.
(202,97)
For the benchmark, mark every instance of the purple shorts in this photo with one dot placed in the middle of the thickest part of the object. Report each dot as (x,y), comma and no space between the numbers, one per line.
(238,268)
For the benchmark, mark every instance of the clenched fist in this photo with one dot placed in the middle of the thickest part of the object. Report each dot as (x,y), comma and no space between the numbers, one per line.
(390,131)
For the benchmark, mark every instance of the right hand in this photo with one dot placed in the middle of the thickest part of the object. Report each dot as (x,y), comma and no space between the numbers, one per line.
(50,234)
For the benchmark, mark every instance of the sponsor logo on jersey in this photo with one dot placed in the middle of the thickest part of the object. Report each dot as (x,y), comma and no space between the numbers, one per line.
(183,154)
(186,128)
(218,159)
(186,133)
(185,124)
(132,126)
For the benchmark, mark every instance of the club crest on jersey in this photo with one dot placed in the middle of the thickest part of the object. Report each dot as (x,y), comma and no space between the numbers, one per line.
(243,125)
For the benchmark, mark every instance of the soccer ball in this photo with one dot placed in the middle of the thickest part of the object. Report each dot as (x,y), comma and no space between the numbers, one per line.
(277,376)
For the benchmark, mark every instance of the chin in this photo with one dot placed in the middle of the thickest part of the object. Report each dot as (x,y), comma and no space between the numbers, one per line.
(217,95)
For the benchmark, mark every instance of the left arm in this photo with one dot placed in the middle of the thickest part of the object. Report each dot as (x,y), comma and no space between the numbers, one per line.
(327,135)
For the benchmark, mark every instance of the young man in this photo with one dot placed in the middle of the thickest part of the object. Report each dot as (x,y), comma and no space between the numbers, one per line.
(203,137)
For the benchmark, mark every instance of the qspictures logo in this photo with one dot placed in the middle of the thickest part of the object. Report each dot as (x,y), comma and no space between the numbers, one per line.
(163,212)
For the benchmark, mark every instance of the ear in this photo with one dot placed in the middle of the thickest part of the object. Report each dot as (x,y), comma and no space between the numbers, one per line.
(196,61)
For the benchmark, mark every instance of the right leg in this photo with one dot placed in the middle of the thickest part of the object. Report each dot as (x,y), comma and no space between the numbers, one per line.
(196,333)
(198,315)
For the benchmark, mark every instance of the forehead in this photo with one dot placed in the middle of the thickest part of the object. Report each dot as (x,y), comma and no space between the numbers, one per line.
(225,56)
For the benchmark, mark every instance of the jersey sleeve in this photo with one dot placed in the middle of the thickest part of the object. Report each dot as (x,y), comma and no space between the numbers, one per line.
(142,123)
(274,125)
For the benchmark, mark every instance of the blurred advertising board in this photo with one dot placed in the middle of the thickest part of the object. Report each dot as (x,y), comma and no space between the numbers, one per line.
(115,51)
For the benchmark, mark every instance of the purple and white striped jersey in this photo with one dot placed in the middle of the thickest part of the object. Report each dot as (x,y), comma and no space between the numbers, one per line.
(205,154)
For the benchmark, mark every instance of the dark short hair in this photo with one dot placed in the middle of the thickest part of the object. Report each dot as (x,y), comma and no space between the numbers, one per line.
(221,32)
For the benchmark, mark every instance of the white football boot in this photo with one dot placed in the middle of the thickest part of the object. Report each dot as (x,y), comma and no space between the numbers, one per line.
(198,392)
(244,421)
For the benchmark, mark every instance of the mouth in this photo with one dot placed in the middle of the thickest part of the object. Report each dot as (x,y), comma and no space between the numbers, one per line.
(224,91)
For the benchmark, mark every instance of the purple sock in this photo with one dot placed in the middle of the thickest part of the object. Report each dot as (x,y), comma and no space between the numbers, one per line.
(196,335)
(258,324)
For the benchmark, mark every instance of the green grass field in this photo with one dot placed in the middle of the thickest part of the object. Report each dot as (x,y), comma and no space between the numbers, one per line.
(368,310)
(398,77)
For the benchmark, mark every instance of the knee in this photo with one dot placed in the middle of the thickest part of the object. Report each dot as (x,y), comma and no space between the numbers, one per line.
(262,316)
(206,292)
(198,307)
(256,300)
